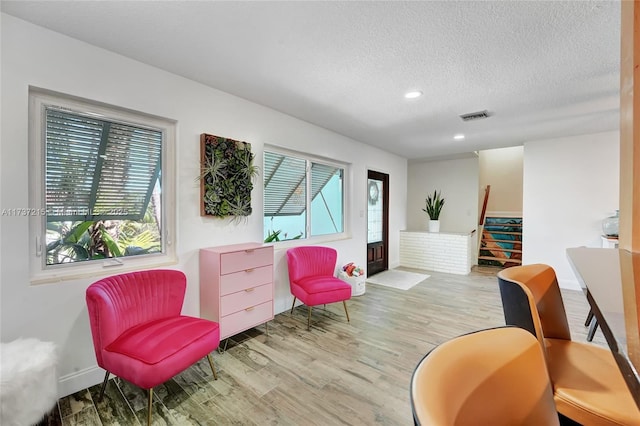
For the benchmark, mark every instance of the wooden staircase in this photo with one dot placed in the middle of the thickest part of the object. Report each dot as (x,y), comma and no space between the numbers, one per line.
(500,238)
(501,241)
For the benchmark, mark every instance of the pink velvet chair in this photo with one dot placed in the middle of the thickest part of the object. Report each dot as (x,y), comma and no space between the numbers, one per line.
(312,280)
(139,333)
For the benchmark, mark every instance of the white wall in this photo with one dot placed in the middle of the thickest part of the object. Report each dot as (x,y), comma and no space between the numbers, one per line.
(502,169)
(457,180)
(56,312)
(570,185)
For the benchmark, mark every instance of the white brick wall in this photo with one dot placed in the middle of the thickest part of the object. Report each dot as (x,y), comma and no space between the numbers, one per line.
(442,252)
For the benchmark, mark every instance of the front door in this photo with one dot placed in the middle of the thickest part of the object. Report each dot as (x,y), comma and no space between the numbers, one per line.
(378,222)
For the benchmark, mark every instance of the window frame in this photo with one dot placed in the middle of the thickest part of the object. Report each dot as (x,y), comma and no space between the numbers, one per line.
(311,158)
(39,271)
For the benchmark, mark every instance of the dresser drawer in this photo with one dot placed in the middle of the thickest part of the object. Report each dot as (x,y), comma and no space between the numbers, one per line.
(232,283)
(246,298)
(246,318)
(245,259)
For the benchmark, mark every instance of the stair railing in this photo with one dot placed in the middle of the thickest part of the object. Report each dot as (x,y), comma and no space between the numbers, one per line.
(482,217)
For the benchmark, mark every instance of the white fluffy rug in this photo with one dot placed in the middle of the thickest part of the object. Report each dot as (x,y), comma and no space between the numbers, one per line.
(394,278)
(28,381)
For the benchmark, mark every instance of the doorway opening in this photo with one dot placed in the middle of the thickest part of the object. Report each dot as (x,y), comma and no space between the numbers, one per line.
(377,222)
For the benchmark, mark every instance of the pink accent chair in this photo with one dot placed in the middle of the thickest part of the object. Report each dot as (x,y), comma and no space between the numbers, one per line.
(312,280)
(138,332)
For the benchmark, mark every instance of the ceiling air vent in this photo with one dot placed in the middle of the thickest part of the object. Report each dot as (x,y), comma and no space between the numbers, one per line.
(475,115)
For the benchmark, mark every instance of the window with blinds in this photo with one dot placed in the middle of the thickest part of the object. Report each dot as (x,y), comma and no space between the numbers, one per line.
(101,188)
(303,197)
(97,169)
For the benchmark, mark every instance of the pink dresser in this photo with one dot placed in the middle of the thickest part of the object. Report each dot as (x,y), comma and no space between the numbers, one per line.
(236,286)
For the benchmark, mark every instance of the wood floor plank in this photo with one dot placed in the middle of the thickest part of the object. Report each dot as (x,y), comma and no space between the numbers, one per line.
(113,409)
(196,385)
(85,417)
(161,416)
(336,373)
(75,403)
(182,406)
(245,374)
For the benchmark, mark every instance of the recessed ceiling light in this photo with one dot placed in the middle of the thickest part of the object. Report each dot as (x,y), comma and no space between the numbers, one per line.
(458,137)
(413,95)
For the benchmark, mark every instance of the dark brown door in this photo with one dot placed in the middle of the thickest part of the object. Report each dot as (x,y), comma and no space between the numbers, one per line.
(378,222)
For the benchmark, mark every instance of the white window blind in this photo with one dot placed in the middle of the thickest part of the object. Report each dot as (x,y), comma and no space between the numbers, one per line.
(304,196)
(284,185)
(98,169)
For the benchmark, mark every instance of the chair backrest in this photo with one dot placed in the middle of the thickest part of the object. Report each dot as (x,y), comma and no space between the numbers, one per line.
(307,261)
(531,299)
(489,377)
(119,302)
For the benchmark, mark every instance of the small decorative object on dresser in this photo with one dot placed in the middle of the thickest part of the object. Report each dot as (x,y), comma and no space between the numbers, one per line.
(236,286)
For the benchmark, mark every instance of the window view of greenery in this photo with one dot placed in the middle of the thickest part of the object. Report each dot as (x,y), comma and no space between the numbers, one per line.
(288,209)
(103,192)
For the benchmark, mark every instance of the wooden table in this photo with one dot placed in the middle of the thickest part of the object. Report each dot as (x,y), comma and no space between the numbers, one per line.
(611,280)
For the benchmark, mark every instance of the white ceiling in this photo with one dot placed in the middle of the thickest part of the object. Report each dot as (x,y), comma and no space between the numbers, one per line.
(543,69)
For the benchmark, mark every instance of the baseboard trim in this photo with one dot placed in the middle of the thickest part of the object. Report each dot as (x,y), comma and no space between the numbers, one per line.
(78,380)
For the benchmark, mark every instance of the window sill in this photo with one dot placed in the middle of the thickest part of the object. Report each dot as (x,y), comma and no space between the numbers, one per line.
(100,270)
(321,239)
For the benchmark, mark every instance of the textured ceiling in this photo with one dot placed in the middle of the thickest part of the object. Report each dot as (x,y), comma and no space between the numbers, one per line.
(542,69)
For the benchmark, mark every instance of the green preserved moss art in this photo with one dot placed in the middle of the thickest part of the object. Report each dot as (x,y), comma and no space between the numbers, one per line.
(226,177)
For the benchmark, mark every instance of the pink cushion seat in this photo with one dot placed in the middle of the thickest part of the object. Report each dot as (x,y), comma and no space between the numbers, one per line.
(157,340)
(320,290)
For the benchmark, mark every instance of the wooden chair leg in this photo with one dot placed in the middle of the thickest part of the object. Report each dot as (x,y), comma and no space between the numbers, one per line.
(213,369)
(104,386)
(344,302)
(149,406)
(293,304)
(309,319)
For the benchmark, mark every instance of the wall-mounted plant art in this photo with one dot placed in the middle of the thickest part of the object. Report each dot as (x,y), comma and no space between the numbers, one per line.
(226,177)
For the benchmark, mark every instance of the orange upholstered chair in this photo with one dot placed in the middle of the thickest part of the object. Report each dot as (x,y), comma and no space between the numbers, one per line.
(492,377)
(312,280)
(587,384)
(138,331)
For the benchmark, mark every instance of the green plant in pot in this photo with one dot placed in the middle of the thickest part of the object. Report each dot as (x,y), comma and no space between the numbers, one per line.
(433,207)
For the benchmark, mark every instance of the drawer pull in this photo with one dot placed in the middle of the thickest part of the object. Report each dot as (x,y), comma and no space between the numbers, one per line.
(249,250)
(249,290)
(249,270)
(249,309)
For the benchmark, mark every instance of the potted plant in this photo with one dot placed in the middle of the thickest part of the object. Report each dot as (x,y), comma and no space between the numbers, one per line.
(433,207)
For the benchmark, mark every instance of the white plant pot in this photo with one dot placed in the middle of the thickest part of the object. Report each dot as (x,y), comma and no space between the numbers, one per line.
(434,226)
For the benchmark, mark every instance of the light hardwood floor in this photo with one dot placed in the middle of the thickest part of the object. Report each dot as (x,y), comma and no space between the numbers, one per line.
(337,373)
